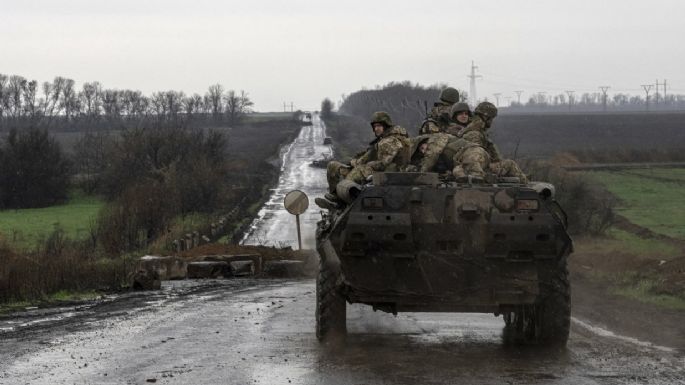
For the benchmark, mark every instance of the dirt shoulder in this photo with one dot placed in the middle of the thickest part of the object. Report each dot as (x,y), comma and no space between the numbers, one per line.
(597,279)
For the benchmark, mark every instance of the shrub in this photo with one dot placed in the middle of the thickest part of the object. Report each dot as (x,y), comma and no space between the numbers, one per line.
(33,170)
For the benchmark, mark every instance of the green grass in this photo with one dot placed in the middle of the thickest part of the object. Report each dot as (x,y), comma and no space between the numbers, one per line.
(626,242)
(65,295)
(643,289)
(26,227)
(656,205)
(677,174)
(60,296)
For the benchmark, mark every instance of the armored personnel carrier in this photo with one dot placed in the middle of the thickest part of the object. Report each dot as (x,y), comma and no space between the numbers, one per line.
(410,242)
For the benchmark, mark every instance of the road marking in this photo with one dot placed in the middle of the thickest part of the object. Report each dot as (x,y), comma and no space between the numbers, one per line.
(607,333)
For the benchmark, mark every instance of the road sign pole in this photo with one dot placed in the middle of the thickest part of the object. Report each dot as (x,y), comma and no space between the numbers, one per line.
(299,238)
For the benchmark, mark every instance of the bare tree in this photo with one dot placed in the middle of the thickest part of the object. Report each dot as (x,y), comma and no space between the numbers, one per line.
(214,98)
(237,105)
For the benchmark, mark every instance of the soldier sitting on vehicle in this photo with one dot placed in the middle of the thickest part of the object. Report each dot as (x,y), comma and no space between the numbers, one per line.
(388,152)
(460,114)
(477,132)
(438,119)
(458,157)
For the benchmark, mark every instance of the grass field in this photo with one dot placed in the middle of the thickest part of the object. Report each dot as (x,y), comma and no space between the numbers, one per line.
(651,198)
(26,227)
(620,242)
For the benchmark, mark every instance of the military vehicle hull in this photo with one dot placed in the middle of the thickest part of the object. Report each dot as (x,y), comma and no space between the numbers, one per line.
(409,242)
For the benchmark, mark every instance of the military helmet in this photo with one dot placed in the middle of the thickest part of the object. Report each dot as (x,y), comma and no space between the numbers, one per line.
(381,117)
(459,107)
(486,110)
(449,95)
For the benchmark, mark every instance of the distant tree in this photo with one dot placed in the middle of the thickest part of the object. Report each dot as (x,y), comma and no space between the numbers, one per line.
(237,105)
(33,170)
(214,98)
(326,109)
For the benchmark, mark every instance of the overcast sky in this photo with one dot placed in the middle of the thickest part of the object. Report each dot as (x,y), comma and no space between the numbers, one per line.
(302,51)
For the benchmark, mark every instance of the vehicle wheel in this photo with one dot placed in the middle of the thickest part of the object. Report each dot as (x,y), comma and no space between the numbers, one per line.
(547,322)
(555,310)
(331,308)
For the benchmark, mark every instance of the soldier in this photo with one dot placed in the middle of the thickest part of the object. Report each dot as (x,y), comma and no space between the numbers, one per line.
(477,132)
(439,119)
(388,152)
(460,113)
(458,156)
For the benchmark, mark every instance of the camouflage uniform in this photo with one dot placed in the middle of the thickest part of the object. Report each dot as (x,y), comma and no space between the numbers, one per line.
(439,117)
(388,152)
(477,132)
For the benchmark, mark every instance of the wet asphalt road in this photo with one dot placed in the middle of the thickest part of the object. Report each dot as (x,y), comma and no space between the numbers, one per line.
(274,225)
(262,332)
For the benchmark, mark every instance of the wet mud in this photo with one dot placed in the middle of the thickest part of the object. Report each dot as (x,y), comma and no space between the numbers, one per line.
(262,331)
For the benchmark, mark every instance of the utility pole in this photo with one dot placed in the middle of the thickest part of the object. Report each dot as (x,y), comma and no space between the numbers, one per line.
(518,96)
(497,95)
(570,98)
(472,88)
(647,88)
(604,96)
(285,109)
(291,107)
(657,91)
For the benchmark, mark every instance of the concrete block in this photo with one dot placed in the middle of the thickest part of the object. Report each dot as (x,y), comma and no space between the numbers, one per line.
(242,268)
(255,258)
(166,268)
(284,268)
(146,280)
(208,269)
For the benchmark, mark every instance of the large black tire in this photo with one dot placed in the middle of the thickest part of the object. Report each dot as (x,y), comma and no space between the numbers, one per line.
(547,322)
(331,307)
(555,309)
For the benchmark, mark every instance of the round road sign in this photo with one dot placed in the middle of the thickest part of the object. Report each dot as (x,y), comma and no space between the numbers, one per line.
(296,202)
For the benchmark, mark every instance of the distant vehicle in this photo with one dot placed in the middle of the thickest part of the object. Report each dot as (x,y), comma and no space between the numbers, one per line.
(414,242)
(321,163)
(328,140)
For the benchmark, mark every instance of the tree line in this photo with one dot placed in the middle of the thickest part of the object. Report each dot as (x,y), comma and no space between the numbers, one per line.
(60,104)
(596,102)
(407,103)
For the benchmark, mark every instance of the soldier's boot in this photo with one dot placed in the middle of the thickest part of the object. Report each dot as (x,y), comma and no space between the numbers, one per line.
(331,197)
(326,204)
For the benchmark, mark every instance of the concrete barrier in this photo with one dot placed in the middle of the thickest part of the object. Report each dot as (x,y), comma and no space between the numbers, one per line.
(284,268)
(209,269)
(242,268)
(255,258)
(165,268)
